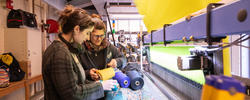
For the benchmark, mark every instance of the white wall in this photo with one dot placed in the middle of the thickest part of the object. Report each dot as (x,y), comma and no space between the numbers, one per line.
(235,57)
(127,25)
(240,58)
(245,59)
(3,14)
(18,4)
(24,5)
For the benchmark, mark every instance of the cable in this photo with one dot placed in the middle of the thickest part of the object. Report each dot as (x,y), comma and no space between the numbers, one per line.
(239,45)
(217,49)
(235,42)
(241,40)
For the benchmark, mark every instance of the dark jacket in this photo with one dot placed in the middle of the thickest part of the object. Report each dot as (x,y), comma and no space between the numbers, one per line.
(108,53)
(62,77)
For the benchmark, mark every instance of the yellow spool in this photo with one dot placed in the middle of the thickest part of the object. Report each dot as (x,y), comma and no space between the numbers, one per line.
(106,73)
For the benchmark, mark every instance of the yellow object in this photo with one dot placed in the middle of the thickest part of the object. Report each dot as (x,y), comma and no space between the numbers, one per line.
(226,59)
(225,95)
(207,91)
(106,73)
(211,93)
(159,12)
(222,88)
(7,59)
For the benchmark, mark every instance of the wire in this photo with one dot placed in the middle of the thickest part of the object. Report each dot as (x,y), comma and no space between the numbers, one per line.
(235,42)
(242,46)
(239,45)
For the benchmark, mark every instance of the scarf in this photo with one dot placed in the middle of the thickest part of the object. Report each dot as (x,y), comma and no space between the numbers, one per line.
(92,47)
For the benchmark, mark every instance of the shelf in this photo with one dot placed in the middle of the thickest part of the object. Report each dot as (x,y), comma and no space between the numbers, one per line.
(20,84)
(35,79)
(12,87)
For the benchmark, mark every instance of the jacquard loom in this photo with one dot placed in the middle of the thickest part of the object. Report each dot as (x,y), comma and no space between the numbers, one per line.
(184,53)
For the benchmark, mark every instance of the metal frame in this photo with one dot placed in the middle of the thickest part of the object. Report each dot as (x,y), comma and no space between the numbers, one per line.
(105,7)
(208,21)
(164,33)
(225,20)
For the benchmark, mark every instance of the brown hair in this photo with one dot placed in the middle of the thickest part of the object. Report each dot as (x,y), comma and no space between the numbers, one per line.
(71,16)
(99,24)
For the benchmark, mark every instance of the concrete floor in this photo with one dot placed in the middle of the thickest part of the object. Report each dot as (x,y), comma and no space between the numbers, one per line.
(149,92)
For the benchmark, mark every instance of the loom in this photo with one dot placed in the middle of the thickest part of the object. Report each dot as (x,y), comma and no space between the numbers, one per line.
(183,67)
(183,52)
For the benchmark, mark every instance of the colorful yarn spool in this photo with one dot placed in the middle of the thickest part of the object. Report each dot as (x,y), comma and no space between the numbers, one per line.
(106,73)
(136,81)
(122,79)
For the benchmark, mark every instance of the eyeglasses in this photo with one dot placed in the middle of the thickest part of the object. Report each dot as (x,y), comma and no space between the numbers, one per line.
(99,36)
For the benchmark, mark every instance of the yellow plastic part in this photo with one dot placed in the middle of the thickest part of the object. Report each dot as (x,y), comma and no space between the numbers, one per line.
(207,91)
(226,59)
(225,95)
(106,73)
(7,59)
(211,93)
(159,12)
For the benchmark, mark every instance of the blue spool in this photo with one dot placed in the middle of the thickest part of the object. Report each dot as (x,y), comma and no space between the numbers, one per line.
(122,79)
(136,81)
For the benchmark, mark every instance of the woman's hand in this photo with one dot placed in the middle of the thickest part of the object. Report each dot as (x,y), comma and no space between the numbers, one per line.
(93,74)
(109,84)
(112,63)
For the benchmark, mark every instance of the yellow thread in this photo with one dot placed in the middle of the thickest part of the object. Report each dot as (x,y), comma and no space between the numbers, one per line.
(106,73)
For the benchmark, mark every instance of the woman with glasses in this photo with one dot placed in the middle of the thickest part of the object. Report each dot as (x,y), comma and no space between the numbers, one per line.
(63,75)
(100,53)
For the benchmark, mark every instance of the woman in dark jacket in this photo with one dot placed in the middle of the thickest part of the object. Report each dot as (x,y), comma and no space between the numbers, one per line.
(100,53)
(63,75)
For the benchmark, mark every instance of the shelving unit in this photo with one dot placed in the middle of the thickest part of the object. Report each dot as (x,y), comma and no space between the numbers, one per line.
(26,45)
(12,87)
(25,83)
